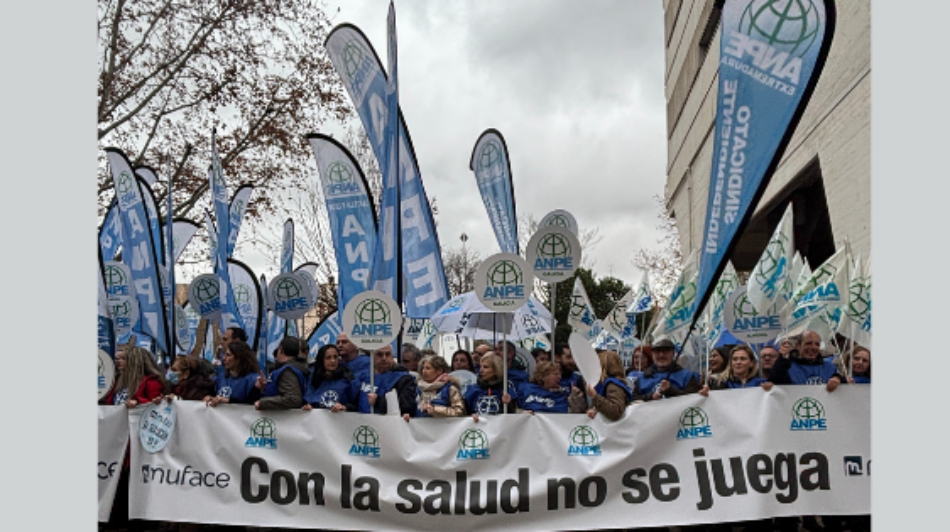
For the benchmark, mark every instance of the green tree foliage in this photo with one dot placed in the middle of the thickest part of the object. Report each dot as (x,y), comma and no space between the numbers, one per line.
(603,293)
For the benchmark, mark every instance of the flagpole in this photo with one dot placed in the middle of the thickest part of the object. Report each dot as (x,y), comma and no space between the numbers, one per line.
(372,378)
(553,318)
(504,361)
(851,358)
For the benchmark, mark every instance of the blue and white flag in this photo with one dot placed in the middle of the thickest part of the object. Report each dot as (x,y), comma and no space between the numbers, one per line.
(286,266)
(771,56)
(818,303)
(183,230)
(677,313)
(856,315)
(493,175)
(230,317)
(581,315)
(139,252)
(170,288)
(151,208)
(774,266)
(363,76)
(727,284)
(643,300)
(325,333)
(247,298)
(616,323)
(110,233)
(236,209)
(352,218)
(106,336)
(264,328)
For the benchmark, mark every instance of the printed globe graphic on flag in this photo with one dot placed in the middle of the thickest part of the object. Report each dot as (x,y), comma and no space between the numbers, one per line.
(772,259)
(366,436)
(554,246)
(693,417)
(242,294)
(352,57)
(264,428)
(122,310)
(584,436)
(124,184)
(859,303)
(529,321)
(115,275)
(489,155)
(685,298)
(808,408)
(559,220)
(287,288)
(578,306)
(372,311)
(789,25)
(207,289)
(504,273)
(473,439)
(339,172)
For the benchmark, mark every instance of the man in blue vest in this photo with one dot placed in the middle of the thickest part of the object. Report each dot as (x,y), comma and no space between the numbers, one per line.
(665,378)
(388,376)
(807,368)
(350,355)
(285,387)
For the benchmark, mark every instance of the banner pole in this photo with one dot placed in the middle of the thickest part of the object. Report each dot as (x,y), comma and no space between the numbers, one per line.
(504,361)
(553,319)
(851,358)
(372,378)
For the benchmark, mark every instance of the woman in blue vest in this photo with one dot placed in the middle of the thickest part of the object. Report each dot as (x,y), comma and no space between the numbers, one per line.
(860,368)
(543,393)
(439,393)
(611,395)
(742,372)
(235,384)
(487,396)
(331,383)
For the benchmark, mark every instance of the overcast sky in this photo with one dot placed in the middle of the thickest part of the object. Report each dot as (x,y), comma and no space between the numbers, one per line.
(576,88)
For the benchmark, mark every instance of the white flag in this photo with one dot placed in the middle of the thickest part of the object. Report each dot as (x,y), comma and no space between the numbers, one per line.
(643,300)
(856,316)
(815,304)
(581,316)
(678,312)
(774,265)
(727,284)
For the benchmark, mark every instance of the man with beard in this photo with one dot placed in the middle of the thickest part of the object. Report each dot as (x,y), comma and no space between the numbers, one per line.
(570,375)
(388,376)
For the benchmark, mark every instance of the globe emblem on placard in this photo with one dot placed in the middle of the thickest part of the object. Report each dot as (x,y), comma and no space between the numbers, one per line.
(504,273)
(366,436)
(115,276)
(789,25)
(489,155)
(488,405)
(742,308)
(264,428)
(125,183)
(693,417)
(207,289)
(807,408)
(287,288)
(473,439)
(339,172)
(584,436)
(554,246)
(559,220)
(372,311)
(352,57)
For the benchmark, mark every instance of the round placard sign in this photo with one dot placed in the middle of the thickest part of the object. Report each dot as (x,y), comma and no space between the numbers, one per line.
(503,282)
(290,296)
(106,373)
(372,320)
(749,326)
(554,253)
(561,218)
(204,296)
(156,426)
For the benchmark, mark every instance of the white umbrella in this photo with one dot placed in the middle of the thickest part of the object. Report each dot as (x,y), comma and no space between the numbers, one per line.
(466,316)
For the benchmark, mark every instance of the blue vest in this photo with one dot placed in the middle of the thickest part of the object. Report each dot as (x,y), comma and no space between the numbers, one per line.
(360,364)
(537,399)
(236,389)
(752,383)
(811,374)
(441,399)
(678,379)
(272,389)
(486,402)
(574,379)
(623,386)
(383,383)
(862,380)
(517,376)
(331,392)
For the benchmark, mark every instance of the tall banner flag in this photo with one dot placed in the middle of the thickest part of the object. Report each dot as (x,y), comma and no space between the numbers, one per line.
(262,333)
(247,298)
(239,201)
(362,74)
(230,317)
(774,266)
(151,209)
(183,230)
(110,232)
(821,296)
(106,335)
(280,326)
(352,218)
(212,239)
(139,252)
(856,318)
(493,175)
(325,333)
(581,314)
(171,287)
(681,307)
(771,56)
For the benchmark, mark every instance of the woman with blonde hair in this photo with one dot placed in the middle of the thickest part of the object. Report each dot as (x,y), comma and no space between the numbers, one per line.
(742,372)
(543,392)
(611,395)
(139,380)
(439,393)
(859,370)
(487,396)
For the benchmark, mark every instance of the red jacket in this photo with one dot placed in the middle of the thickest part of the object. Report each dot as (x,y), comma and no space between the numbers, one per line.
(149,388)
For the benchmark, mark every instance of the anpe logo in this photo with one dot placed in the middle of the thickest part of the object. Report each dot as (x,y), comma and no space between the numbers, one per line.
(352,57)
(288,295)
(341,179)
(372,319)
(504,281)
(125,183)
(473,445)
(773,265)
(583,441)
(117,282)
(788,25)
(242,294)
(454,305)
(121,311)
(263,434)
(808,414)
(559,220)
(365,442)
(207,290)
(694,423)
(489,155)
(554,253)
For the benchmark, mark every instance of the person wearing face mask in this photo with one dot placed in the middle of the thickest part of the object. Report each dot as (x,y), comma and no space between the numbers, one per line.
(187,381)
(332,385)
(236,383)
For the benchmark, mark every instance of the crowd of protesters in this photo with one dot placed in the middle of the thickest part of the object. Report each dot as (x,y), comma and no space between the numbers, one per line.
(425,384)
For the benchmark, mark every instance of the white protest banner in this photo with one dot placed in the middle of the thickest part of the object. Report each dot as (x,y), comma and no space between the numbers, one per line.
(113,440)
(734,456)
